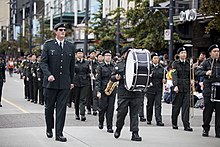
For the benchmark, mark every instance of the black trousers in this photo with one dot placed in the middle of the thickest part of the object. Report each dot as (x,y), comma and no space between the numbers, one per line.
(106,105)
(30,89)
(59,98)
(26,89)
(141,110)
(35,91)
(134,105)
(182,100)
(207,114)
(1,85)
(40,88)
(81,94)
(154,100)
(89,99)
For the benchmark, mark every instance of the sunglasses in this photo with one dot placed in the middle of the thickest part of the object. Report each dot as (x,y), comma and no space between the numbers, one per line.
(62,30)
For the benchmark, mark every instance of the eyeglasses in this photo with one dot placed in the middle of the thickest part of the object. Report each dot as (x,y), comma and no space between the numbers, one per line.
(62,30)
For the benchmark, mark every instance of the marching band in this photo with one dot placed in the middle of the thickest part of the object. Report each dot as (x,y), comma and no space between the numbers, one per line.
(98,81)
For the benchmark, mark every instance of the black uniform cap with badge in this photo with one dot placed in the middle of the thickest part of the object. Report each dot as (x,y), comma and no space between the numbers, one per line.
(181,49)
(154,54)
(92,51)
(212,47)
(107,52)
(59,25)
(79,50)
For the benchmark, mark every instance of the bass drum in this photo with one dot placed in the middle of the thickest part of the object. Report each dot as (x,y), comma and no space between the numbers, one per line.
(137,70)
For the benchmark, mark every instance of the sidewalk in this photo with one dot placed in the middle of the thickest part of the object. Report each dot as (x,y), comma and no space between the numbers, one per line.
(93,137)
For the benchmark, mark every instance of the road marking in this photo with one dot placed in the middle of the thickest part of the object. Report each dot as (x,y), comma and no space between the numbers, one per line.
(13,104)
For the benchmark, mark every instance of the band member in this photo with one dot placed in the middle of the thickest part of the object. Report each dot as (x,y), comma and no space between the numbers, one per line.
(24,77)
(210,69)
(93,63)
(99,57)
(39,75)
(154,92)
(181,84)
(57,64)
(34,78)
(106,102)
(126,99)
(81,84)
(2,77)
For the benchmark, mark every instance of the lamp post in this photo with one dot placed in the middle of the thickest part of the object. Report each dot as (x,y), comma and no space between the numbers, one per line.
(86,26)
(118,29)
(171,30)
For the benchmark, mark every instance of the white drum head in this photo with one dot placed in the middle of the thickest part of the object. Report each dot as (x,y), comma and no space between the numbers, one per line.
(129,74)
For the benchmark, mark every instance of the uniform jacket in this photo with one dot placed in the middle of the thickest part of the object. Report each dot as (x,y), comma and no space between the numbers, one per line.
(104,73)
(59,63)
(181,75)
(82,73)
(208,80)
(157,75)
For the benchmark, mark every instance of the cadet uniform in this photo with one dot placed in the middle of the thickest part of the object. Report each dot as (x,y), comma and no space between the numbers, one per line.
(2,78)
(40,84)
(81,86)
(106,102)
(208,80)
(35,81)
(154,92)
(25,66)
(94,64)
(181,79)
(57,60)
(127,99)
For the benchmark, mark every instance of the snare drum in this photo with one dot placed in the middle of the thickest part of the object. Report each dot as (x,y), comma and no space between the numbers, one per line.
(137,69)
(215,92)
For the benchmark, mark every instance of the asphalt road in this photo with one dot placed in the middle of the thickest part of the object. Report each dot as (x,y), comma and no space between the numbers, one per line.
(20,119)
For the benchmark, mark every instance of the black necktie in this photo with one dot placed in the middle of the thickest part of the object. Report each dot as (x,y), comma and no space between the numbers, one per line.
(61,45)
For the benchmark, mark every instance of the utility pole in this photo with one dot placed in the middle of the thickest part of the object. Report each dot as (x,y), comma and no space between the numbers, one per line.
(171,30)
(118,29)
(30,26)
(86,27)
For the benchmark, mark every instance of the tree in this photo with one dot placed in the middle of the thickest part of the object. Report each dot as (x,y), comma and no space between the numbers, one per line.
(146,26)
(104,29)
(212,7)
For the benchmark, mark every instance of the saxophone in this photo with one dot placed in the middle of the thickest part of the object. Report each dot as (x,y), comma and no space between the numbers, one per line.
(110,87)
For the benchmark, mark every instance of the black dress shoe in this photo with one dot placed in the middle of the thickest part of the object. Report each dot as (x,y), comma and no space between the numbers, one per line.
(136,137)
(77,117)
(160,124)
(94,113)
(149,122)
(61,138)
(175,127)
(110,131)
(0,105)
(100,126)
(117,133)
(89,112)
(142,119)
(49,133)
(205,133)
(83,118)
(188,129)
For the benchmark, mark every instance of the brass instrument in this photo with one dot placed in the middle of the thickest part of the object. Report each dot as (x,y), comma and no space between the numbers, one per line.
(192,88)
(110,87)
